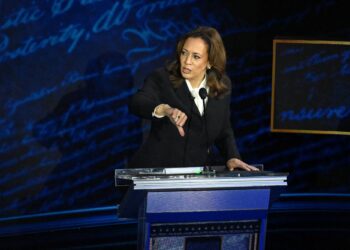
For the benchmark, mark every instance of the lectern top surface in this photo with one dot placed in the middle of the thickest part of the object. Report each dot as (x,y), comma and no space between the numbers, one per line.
(191,171)
(151,178)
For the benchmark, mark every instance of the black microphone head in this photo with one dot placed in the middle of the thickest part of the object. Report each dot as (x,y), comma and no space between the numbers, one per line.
(203,93)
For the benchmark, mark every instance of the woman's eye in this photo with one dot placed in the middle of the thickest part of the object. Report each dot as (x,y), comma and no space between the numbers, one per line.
(196,57)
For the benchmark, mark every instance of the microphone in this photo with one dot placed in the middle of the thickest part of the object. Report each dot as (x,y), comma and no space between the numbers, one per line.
(203,94)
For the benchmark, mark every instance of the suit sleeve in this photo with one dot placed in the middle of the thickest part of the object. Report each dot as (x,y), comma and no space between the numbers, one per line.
(144,101)
(226,141)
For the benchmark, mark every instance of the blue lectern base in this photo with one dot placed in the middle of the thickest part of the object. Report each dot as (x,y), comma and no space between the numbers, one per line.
(224,218)
(199,211)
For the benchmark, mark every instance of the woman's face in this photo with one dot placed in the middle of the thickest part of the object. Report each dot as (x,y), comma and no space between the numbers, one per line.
(194,60)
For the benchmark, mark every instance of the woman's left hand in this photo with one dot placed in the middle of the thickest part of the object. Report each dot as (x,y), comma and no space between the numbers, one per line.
(235,163)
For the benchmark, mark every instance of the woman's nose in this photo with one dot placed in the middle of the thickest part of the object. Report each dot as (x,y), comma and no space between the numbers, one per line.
(188,59)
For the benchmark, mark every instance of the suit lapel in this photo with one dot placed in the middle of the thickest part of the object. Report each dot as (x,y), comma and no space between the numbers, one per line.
(211,104)
(185,101)
(213,109)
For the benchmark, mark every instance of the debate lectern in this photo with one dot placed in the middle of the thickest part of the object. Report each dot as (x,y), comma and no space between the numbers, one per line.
(191,208)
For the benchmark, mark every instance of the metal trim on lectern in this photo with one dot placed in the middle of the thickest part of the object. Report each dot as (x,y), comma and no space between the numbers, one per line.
(142,180)
(152,179)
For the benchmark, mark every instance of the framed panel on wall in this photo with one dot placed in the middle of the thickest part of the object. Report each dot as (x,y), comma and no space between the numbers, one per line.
(311,86)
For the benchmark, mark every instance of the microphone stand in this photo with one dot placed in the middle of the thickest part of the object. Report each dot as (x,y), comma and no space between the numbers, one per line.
(207,165)
(203,94)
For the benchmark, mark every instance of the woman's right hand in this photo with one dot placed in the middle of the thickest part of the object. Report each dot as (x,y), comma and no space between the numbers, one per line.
(176,116)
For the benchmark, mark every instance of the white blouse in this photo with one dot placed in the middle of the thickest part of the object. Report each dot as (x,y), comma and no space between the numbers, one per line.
(195,93)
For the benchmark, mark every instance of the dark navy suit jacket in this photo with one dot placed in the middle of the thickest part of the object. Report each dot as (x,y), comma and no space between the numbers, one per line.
(164,146)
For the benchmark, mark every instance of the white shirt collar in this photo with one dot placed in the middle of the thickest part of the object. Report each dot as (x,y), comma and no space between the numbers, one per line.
(195,93)
(202,85)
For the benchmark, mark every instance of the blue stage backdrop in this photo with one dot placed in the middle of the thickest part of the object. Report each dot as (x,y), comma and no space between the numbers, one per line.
(68,67)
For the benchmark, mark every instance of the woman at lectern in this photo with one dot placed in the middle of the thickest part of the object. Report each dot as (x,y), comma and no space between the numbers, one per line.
(188,102)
